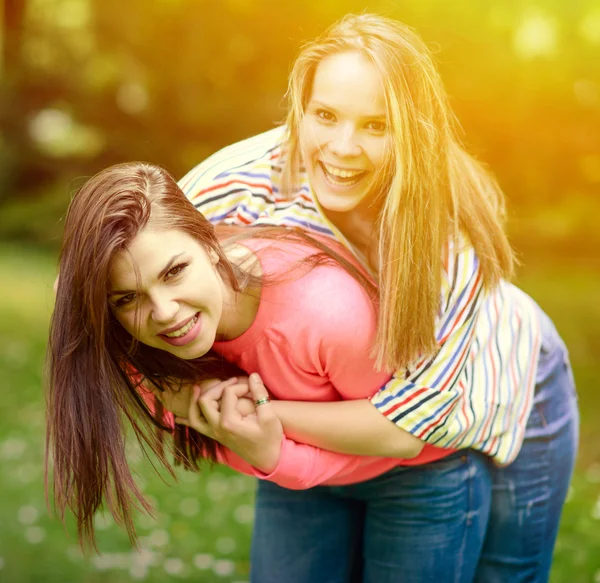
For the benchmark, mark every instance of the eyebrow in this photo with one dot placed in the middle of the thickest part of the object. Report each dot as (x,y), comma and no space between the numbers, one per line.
(163,272)
(382,115)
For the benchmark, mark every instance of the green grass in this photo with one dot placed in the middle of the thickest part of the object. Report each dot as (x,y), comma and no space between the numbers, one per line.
(203,523)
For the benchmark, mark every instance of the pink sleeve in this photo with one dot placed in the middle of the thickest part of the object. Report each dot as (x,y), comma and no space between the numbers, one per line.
(301,466)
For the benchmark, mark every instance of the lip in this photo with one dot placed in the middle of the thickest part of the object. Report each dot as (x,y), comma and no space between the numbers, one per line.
(343,168)
(177,326)
(186,338)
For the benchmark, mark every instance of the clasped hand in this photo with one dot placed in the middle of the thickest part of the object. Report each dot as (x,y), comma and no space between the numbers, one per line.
(225,412)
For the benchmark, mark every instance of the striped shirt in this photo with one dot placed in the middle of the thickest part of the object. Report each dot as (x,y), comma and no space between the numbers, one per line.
(477,390)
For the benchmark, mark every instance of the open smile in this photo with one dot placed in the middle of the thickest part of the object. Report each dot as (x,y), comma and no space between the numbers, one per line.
(344,177)
(183,333)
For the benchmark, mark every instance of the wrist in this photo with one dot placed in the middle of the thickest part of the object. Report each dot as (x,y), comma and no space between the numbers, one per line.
(268,460)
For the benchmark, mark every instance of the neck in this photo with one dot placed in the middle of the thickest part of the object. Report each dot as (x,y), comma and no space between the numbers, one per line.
(360,229)
(240,308)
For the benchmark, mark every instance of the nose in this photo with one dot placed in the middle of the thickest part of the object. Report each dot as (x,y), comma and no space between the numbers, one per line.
(344,142)
(163,309)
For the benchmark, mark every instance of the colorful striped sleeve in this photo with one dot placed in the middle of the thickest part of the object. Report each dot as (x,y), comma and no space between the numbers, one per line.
(427,397)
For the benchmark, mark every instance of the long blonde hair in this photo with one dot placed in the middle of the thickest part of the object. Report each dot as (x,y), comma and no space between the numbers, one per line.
(434,190)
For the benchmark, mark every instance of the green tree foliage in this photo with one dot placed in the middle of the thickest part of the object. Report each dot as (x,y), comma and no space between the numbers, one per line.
(88,83)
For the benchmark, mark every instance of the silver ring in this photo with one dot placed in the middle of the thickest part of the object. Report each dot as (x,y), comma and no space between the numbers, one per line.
(262,401)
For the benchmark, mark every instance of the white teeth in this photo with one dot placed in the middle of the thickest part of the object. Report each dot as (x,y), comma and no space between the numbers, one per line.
(342,173)
(184,329)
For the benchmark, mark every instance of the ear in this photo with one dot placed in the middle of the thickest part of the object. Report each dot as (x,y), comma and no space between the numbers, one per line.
(214,258)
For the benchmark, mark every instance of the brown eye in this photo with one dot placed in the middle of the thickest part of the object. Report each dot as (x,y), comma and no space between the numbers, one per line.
(376,126)
(325,115)
(176,270)
(124,300)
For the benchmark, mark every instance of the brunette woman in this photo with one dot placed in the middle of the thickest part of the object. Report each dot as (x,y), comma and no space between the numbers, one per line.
(148,298)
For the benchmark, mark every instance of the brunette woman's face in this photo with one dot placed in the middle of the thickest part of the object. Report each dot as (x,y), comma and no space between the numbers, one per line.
(344,131)
(179,302)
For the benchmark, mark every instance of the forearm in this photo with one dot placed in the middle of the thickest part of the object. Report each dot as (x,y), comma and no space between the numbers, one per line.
(352,427)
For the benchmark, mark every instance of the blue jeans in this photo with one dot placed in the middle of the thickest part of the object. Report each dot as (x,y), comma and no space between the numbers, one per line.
(528,495)
(416,524)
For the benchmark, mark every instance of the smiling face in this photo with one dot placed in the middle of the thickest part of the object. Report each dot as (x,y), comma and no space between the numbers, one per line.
(344,131)
(178,306)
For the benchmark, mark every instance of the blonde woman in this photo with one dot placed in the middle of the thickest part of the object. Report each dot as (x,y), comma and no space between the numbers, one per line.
(369,155)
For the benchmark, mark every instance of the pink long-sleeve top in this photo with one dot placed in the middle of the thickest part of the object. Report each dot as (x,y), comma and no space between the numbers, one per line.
(310,341)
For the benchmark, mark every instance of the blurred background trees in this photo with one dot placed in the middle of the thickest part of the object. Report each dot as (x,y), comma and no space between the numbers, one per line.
(87,83)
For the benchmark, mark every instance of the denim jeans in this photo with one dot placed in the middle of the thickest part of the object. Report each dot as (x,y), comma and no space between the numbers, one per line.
(416,524)
(528,495)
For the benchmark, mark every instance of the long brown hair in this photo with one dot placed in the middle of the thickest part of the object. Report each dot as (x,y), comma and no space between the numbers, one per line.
(97,373)
(432,191)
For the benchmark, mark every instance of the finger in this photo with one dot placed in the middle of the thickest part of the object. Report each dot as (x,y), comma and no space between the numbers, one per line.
(216,394)
(215,391)
(259,393)
(257,387)
(196,419)
(210,406)
(245,406)
(211,383)
(240,390)
(229,412)
(197,423)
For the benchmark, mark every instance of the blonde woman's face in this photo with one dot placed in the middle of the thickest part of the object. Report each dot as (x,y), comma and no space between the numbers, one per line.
(178,306)
(344,131)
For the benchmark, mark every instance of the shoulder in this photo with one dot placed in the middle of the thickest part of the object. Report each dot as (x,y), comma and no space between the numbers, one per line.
(335,318)
(307,266)
(235,158)
(323,299)
(461,267)
(460,255)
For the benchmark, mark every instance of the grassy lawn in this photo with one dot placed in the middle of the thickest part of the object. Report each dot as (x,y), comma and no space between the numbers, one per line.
(203,522)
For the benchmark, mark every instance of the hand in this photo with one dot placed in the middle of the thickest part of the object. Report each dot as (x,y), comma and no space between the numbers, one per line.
(256,438)
(178,400)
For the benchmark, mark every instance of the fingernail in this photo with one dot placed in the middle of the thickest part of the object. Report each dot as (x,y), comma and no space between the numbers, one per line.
(255,377)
